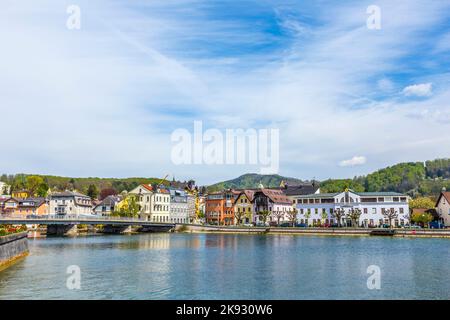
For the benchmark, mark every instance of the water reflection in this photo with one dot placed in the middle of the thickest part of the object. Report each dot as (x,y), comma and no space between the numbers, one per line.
(228,266)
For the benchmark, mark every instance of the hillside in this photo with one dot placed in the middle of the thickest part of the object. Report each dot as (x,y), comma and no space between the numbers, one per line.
(413,178)
(19,181)
(252,180)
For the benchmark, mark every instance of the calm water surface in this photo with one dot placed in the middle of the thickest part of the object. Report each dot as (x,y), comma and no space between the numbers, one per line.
(227,266)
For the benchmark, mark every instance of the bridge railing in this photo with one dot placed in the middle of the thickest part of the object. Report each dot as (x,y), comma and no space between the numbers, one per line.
(68,217)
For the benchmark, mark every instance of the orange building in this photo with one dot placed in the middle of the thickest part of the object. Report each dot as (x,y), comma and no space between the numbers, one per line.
(219,208)
(31,206)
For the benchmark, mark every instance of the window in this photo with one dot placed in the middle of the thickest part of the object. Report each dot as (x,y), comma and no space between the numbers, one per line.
(374,210)
(402,210)
(365,210)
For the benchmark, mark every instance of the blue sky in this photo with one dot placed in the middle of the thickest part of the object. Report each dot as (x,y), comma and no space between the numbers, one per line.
(103,100)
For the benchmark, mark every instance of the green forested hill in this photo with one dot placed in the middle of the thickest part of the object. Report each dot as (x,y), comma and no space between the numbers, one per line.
(253,180)
(19,181)
(413,178)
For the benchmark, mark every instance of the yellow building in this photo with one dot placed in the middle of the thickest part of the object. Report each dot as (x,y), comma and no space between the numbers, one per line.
(243,207)
(20,194)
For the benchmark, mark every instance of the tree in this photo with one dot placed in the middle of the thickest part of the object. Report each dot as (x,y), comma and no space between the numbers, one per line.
(238,215)
(107,192)
(390,215)
(42,190)
(324,216)
(422,218)
(129,207)
(421,203)
(292,215)
(338,214)
(33,183)
(354,215)
(263,215)
(278,215)
(92,191)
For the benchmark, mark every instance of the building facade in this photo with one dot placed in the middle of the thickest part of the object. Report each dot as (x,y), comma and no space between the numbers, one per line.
(244,207)
(70,203)
(377,208)
(154,203)
(219,208)
(179,206)
(275,202)
(107,205)
(443,207)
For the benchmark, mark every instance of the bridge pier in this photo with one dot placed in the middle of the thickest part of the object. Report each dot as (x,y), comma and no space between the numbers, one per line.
(62,229)
(121,229)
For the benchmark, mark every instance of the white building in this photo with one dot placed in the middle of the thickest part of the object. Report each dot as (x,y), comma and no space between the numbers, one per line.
(179,206)
(314,209)
(274,201)
(107,205)
(154,203)
(443,207)
(70,203)
(4,188)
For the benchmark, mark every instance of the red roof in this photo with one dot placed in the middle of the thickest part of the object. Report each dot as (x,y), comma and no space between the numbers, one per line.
(148,187)
(277,196)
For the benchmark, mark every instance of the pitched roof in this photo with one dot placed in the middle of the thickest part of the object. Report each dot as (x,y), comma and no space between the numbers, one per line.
(276,196)
(248,193)
(68,194)
(147,186)
(301,189)
(446,195)
(32,202)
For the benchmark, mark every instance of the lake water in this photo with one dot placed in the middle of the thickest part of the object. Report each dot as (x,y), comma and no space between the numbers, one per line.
(230,266)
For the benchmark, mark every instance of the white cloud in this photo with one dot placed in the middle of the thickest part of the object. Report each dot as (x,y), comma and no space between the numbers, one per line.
(419,90)
(355,161)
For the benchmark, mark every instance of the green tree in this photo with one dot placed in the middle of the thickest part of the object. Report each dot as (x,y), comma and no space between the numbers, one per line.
(422,218)
(33,183)
(421,203)
(130,207)
(92,191)
(42,190)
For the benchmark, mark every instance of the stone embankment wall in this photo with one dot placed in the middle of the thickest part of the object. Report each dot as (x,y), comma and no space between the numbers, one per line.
(12,248)
(445,233)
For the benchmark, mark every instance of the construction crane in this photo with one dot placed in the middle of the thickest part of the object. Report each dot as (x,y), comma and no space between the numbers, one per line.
(162,180)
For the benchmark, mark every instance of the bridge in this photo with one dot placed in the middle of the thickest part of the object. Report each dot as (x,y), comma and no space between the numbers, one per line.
(67,224)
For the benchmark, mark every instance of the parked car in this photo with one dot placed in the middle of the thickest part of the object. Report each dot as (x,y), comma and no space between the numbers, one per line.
(273,223)
(334,225)
(248,225)
(301,225)
(436,225)
(285,224)
(260,224)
